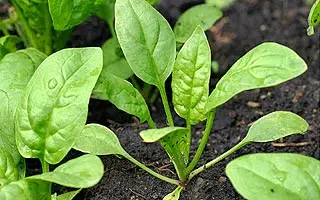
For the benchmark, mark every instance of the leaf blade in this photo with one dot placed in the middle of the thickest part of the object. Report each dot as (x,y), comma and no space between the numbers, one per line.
(266,65)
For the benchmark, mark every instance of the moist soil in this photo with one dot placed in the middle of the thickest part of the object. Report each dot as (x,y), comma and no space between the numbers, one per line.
(245,24)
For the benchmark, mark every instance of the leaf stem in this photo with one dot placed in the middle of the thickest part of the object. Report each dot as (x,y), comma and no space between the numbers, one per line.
(135,83)
(216,160)
(150,171)
(189,136)
(203,142)
(166,106)
(45,166)
(151,123)
(48,30)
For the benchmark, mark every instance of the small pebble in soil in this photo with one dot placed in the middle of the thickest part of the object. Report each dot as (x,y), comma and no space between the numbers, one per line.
(297,97)
(222,179)
(252,104)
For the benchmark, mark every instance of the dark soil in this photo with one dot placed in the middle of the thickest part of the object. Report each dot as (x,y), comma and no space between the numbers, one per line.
(246,24)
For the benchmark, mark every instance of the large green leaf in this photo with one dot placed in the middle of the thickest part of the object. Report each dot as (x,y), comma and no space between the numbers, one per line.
(204,15)
(190,78)
(314,17)
(276,176)
(114,62)
(146,39)
(266,65)
(26,190)
(54,108)
(98,140)
(82,172)
(67,14)
(16,69)
(276,125)
(174,141)
(123,95)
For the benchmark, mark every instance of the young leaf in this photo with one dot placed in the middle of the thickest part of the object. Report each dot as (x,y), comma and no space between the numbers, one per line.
(174,141)
(114,62)
(174,195)
(54,108)
(82,172)
(276,125)
(266,65)
(99,140)
(68,195)
(9,42)
(16,69)
(204,15)
(314,17)
(146,39)
(67,14)
(275,176)
(221,4)
(123,95)
(26,190)
(190,78)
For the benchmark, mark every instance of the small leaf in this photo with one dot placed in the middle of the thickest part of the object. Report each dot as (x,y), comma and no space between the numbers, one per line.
(68,195)
(114,62)
(123,95)
(190,78)
(276,125)
(54,108)
(221,4)
(26,190)
(266,65)
(175,195)
(146,39)
(204,15)
(9,42)
(67,14)
(99,140)
(314,17)
(275,176)
(174,141)
(82,172)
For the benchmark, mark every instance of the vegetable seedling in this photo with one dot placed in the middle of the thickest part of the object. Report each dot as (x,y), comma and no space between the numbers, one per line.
(149,46)
(44,105)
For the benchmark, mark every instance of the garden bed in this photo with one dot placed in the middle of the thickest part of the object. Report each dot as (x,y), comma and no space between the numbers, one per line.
(245,24)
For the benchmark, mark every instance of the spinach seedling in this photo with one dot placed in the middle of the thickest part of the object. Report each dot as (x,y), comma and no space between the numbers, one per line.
(44,105)
(149,46)
(314,17)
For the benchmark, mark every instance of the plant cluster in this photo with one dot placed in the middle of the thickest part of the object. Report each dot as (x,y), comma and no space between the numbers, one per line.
(44,100)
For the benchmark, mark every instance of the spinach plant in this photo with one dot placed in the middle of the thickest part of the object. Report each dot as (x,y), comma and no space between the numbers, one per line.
(149,46)
(44,105)
(314,17)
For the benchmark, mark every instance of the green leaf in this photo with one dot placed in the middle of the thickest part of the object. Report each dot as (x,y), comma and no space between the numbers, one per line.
(68,195)
(314,17)
(26,190)
(114,62)
(104,9)
(82,172)
(99,140)
(146,39)
(275,176)
(266,65)
(175,195)
(174,141)
(67,14)
(54,108)
(9,42)
(276,125)
(203,15)
(190,78)
(221,4)
(16,69)
(123,95)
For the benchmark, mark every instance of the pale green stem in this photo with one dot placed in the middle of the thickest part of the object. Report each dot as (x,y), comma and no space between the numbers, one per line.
(151,123)
(154,96)
(45,166)
(189,136)
(150,171)
(48,30)
(218,159)
(166,104)
(203,142)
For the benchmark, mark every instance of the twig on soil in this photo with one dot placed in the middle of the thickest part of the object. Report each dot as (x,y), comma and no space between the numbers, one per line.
(300,144)
(140,195)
